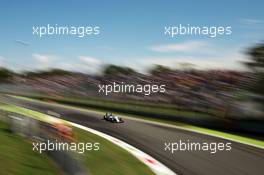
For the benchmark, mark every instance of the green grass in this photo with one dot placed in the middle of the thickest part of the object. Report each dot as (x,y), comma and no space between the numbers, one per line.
(24,111)
(242,139)
(17,157)
(110,160)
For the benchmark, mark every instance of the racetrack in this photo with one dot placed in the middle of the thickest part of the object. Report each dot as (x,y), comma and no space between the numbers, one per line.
(150,138)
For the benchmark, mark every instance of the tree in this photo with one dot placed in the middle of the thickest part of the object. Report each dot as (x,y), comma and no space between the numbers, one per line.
(115,70)
(157,69)
(256,64)
(51,72)
(5,74)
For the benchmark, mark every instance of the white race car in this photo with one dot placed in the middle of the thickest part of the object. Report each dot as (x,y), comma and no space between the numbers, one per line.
(113,118)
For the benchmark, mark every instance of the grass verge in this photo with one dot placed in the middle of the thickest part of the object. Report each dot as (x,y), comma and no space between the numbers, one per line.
(110,159)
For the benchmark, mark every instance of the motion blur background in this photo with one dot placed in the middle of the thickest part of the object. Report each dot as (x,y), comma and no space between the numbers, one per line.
(217,83)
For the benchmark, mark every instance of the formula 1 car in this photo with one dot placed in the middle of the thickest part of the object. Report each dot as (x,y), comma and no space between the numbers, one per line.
(112,118)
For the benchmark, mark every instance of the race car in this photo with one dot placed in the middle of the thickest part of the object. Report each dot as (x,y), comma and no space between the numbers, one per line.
(112,118)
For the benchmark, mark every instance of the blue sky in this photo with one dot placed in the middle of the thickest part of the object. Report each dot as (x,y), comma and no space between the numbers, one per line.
(130,33)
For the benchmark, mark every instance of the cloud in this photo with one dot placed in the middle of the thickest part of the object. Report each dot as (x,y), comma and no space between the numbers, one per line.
(24,43)
(45,61)
(180,47)
(85,64)
(43,58)
(89,64)
(2,61)
(90,60)
(248,21)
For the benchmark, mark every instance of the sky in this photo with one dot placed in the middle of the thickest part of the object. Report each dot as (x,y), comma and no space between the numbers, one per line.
(131,33)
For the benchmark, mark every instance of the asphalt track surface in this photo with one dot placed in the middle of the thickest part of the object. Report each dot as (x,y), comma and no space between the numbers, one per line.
(151,138)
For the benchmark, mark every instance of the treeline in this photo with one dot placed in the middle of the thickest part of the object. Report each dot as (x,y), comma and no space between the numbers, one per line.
(108,70)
